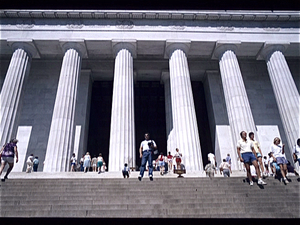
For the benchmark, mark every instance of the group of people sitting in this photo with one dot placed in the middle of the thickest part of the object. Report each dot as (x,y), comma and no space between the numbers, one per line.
(166,164)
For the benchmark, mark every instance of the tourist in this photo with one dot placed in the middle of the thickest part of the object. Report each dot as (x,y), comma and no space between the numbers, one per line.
(272,164)
(210,169)
(170,162)
(166,165)
(225,168)
(94,163)
(100,162)
(103,167)
(146,148)
(7,154)
(73,162)
(279,158)
(178,157)
(296,153)
(228,159)
(291,169)
(126,171)
(245,152)
(258,154)
(29,163)
(266,165)
(87,162)
(81,163)
(211,157)
(161,163)
(35,164)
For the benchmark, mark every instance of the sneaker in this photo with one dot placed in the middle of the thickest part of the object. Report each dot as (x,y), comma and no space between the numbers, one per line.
(260,181)
(151,178)
(140,178)
(286,181)
(251,183)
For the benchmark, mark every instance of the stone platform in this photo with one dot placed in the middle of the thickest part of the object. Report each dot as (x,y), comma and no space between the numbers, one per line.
(107,175)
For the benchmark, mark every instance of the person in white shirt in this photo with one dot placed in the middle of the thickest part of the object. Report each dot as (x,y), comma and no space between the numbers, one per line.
(212,158)
(29,163)
(146,150)
(178,157)
(245,151)
(279,158)
(126,171)
(73,162)
(225,168)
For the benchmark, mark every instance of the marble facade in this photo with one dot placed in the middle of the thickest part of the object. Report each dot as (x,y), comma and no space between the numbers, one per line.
(248,63)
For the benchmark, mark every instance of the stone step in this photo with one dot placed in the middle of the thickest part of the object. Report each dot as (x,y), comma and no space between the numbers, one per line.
(162,198)
(151,213)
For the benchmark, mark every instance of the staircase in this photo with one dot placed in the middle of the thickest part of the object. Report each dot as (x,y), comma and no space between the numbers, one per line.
(187,197)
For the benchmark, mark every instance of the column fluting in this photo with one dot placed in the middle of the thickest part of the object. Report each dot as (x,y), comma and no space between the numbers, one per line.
(183,110)
(62,130)
(238,108)
(285,91)
(12,89)
(122,130)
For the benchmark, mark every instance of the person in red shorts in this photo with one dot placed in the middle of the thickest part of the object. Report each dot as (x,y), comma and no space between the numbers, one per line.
(178,157)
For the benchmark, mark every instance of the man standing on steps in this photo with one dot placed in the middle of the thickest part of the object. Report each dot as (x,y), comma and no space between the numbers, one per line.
(245,151)
(146,149)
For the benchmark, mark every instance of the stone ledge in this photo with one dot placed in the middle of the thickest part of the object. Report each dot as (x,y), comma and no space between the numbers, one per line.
(157,15)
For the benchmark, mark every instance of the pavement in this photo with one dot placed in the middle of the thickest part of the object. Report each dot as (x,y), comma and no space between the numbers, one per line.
(107,175)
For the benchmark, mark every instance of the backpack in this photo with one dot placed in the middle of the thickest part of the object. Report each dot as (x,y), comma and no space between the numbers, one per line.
(8,150)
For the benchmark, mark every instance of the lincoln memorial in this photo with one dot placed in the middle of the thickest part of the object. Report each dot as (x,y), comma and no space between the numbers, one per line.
(77,81)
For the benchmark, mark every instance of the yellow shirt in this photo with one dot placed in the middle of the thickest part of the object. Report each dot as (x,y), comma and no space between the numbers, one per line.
(256,146)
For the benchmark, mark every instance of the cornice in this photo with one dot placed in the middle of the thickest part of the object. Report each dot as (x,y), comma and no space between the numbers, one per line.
(155,15)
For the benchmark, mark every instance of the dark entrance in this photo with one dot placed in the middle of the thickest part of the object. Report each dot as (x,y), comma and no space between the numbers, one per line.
(149,104)
(149,108)
(100,116)
(149,116)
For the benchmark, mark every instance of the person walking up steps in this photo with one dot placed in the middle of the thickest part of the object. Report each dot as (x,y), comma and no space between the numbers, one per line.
(7,154)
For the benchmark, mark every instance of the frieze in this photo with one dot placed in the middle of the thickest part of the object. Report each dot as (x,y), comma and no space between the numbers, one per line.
(178,27)
(225,28)
(24,24)
(271,28)
(124,24)
(75,26)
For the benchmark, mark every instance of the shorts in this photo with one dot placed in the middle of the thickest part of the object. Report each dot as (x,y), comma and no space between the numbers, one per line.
(7,159)
(178,160)
(248,157)
(258,155)
(73,164)
(161,163)
(99,164)
(94,164)
(281,160)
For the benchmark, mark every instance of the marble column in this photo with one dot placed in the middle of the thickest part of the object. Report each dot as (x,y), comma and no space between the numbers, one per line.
(62,130)
(122,129)
(13,86)
(183,109)
(237,103)
(285,90)
(171,146)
